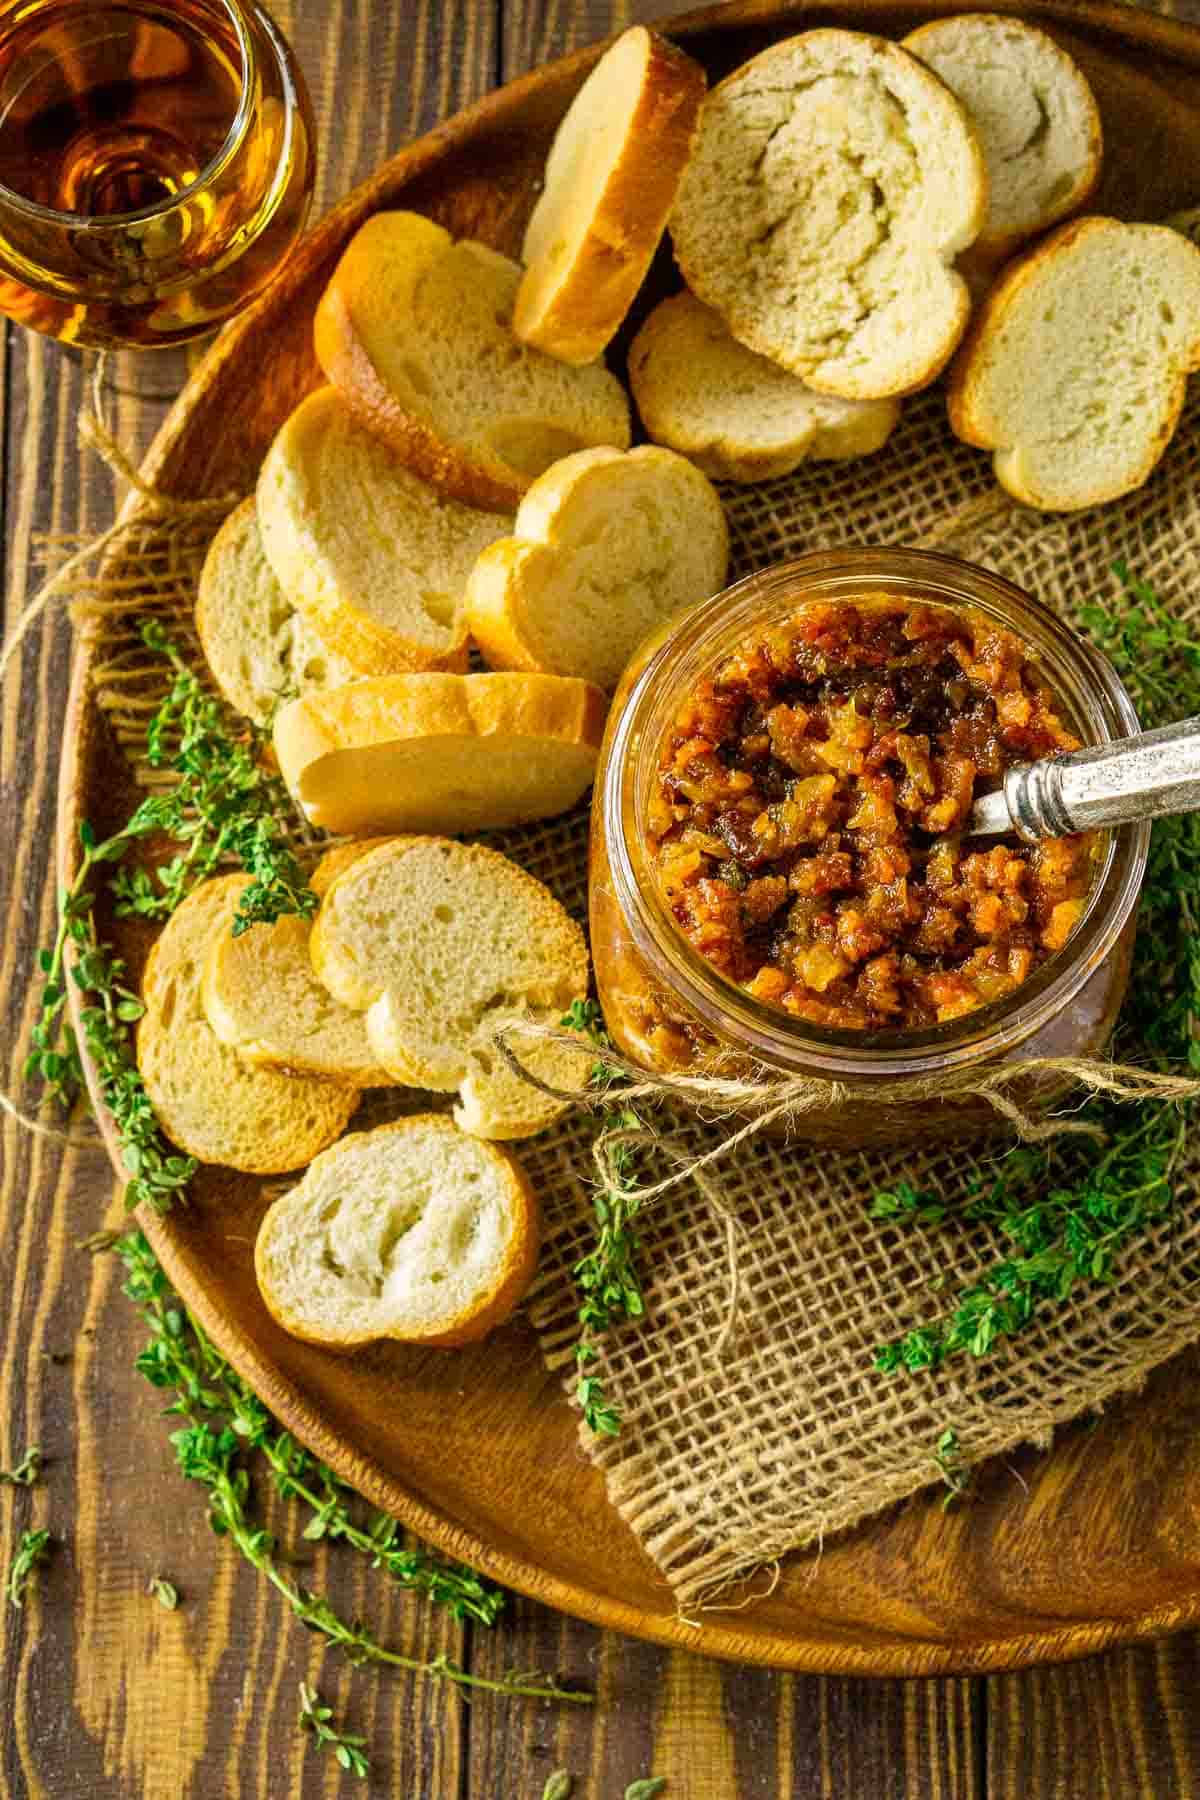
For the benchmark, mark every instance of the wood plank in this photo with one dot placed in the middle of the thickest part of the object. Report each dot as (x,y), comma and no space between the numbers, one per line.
(1110,1728)
(101,1690)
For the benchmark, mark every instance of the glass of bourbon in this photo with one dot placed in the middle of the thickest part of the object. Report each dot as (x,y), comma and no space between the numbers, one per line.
(156,165)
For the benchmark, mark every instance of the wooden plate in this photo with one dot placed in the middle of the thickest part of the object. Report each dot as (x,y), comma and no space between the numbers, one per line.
(1057,1555)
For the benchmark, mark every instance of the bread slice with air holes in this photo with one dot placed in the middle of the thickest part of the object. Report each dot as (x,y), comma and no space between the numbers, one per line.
(611,180)
(414,1232)
(606,546)
(375,560)
(260,649)
(735,414)
(261,997)
(415,330)
(833,182)
(209,1102)
(1075,369)
(441,753)
(1036,116)
(442,945)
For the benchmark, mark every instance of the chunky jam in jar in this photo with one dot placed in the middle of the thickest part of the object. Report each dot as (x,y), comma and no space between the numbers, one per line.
(805,820)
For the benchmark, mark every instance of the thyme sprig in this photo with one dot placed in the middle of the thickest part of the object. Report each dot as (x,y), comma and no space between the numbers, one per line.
(26,1472)
(181,1357)
(348,1748)
(224,803)
(1068,1222)
(33,1549)
(607,1277)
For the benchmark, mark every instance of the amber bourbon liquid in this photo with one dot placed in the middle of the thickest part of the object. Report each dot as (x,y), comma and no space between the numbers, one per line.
(155,164)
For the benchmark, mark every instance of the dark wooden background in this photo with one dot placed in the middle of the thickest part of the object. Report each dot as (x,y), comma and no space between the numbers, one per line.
(102,1692)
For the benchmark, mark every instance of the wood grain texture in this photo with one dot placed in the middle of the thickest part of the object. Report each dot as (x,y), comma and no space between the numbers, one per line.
(101,1692)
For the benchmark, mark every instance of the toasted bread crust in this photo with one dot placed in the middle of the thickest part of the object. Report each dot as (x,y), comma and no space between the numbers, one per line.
(994,245)
(545,714)
(294,523)
(347,363)
(573,313)
(968,417)
(869,58)
(471,1324)
(207,1100)
(580,409)
(683,346)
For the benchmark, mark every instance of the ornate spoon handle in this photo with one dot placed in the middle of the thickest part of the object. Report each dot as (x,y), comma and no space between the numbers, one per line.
(1114,784)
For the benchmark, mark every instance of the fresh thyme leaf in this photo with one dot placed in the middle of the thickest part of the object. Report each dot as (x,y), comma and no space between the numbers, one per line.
(225,803)
(607,1277)
(315,1716)
(164,1591)
(33,1549)
(559,1786)
(954,1471)
(224,1421)
(1064,1221)
(26,1472)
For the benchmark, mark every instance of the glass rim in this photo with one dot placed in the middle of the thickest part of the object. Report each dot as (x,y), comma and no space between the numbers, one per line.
(770,1033)
(161,209)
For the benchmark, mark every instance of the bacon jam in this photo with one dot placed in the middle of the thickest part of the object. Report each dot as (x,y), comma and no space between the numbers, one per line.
(806,819)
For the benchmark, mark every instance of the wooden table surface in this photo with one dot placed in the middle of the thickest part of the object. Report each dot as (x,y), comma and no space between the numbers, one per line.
(102,1692)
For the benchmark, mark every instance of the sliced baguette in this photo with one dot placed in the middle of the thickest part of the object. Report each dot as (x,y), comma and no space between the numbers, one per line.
(833,182)
(209,1102)
(1036,116)
(414,1232)
(415,331)
(441,753)
(259,648)
(611,179)
(375,560)
(262,999)
(442,945)
(735,414)
(1075,369)
(607,545)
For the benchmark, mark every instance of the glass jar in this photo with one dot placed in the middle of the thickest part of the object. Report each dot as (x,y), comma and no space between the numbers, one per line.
(670,1011)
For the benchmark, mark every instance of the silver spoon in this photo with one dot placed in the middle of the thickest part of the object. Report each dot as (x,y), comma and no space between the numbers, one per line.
(1114,784)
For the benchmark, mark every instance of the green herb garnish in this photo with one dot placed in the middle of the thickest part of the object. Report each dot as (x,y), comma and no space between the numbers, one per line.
(225,1421)
(26,1472)
(1069,1221)
(223,804)
(33,1549)
(164,1591)
(607,1276)
(315,1716)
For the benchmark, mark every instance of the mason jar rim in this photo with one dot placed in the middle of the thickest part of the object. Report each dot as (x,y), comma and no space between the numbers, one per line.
(115,222)
(688,646)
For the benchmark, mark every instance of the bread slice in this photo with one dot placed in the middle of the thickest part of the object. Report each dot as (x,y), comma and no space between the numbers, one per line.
(1075,369)
(415,330)
(1036,117)
(833,182)
(206,1099)
(262,999)
(375,560)
(413,1232)
(441,753)
(260,649)
(611,179)
(607,545)
(442,945)
(735,414)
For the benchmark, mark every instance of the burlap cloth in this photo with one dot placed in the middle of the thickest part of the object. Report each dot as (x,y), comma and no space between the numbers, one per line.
(738,1446)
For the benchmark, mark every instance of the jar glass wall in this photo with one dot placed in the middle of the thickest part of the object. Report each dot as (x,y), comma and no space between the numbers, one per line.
(670,1010)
